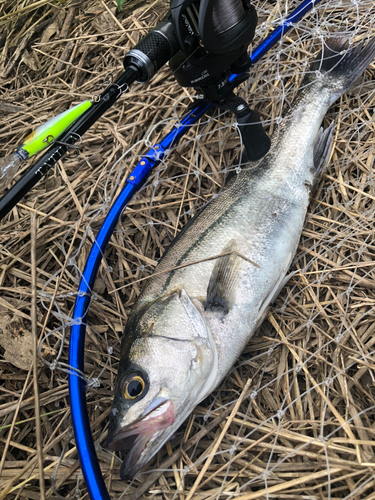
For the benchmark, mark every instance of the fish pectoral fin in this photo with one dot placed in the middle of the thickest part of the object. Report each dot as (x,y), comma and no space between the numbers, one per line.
(322,149)
(221,290)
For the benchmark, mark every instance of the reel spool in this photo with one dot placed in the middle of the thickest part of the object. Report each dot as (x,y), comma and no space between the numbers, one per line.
(213,36)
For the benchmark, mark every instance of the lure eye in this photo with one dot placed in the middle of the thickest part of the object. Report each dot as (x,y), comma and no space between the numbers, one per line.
(133,387)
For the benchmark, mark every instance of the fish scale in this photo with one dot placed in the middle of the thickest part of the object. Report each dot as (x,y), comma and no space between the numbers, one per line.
(215,305)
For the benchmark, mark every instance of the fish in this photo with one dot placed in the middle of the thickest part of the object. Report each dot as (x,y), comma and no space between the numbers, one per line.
(213,286)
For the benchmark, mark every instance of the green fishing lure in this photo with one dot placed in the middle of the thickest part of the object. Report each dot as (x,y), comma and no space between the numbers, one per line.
(38,140)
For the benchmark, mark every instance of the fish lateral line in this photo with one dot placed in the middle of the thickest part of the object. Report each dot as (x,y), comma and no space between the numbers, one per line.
(225,254)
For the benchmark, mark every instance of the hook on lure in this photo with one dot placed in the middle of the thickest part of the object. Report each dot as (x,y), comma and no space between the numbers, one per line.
(51,140)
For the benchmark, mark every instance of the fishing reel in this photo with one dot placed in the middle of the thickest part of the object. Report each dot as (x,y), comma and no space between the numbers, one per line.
(205,42)
(214,36)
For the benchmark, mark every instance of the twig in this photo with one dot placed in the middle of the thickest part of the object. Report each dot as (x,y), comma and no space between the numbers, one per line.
(34,329)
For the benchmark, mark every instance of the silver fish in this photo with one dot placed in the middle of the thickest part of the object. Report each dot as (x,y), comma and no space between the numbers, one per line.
(189,325)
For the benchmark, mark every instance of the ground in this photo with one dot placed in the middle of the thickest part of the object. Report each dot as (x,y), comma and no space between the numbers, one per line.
(295,417)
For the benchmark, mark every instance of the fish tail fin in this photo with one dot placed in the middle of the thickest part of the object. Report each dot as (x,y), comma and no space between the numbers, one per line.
(339,65)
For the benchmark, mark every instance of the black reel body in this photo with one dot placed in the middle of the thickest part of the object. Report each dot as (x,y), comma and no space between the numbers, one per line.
(205,41)
(214,36)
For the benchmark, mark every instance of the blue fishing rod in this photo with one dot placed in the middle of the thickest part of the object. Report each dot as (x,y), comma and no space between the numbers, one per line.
(77,387)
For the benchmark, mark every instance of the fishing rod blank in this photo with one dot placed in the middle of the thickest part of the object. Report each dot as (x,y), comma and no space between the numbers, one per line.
(65,141)
(142,62)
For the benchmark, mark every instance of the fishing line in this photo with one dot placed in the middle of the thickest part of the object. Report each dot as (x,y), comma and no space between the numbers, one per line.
(226,16)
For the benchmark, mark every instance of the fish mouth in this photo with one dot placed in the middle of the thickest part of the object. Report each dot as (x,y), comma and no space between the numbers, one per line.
(139,436)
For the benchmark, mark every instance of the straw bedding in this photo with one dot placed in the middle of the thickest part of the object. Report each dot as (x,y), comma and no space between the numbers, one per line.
(295,417)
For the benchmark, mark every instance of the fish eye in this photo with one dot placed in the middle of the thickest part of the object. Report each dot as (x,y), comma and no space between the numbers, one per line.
(134,386)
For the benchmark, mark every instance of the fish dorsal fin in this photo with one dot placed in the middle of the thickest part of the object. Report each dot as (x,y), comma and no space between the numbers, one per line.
(322,149)
(221,290)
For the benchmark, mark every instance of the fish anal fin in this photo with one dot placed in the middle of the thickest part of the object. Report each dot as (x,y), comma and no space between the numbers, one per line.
(226,274)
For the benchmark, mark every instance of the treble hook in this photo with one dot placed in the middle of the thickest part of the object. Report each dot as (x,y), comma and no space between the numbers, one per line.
(51,140)
(106,83)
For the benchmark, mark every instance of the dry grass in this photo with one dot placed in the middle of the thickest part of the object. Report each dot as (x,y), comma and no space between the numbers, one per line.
(295,417)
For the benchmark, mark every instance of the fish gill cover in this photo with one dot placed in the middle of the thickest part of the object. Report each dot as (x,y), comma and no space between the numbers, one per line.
(298,407)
